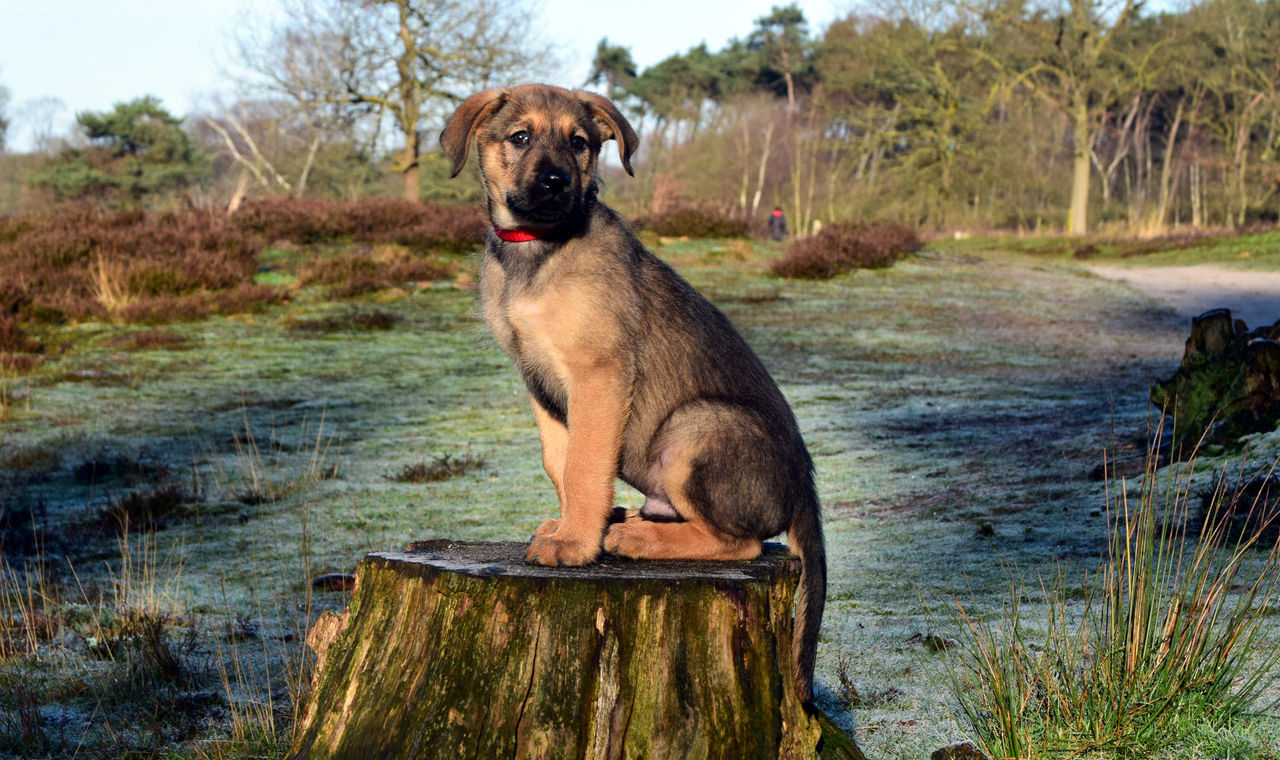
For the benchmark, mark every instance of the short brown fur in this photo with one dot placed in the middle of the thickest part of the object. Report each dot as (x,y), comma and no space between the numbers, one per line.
(631,372)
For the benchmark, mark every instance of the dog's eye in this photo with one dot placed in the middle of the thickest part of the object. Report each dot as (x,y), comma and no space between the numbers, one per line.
(578,143)
(520,138)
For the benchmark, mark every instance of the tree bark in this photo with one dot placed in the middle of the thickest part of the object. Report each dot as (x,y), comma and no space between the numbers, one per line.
(305,174)
(1166,168)
(408,103)
(764,165)
(462,650)
(1078,215)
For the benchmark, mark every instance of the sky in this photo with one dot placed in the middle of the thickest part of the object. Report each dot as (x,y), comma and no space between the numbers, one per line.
(91,54)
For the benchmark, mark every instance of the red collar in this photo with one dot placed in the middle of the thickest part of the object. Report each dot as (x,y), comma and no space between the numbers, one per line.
(514,236)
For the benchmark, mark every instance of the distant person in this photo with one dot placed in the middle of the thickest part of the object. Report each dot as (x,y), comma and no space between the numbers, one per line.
(777,224)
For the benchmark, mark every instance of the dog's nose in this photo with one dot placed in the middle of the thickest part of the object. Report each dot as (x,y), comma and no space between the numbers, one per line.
(553,180)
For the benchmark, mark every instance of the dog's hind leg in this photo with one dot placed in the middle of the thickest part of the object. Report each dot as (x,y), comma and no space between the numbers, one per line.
(689,539)
(669,525)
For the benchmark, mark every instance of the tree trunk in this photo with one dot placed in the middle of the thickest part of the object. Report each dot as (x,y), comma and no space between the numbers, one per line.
(411,187)
(462,650)
(409,102)
(1078,215)
(1197,205)
(1227,386)
(1166,169)
(764,165)
(239,193)
(305,174)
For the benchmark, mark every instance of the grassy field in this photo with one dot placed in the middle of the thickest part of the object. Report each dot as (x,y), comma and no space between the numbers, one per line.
(1249,251)
(955,404)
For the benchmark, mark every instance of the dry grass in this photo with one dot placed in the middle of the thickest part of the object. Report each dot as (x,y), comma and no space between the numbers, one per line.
(443,467)
(154,672)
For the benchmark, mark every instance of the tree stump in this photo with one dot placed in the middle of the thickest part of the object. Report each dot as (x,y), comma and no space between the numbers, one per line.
(452,650)
(1227,386)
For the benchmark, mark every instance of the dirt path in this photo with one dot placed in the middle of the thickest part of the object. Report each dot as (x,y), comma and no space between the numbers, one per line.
(1192,290)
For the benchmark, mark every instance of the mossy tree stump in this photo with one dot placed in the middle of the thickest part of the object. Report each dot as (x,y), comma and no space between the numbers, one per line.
(462,650)
(1227,386)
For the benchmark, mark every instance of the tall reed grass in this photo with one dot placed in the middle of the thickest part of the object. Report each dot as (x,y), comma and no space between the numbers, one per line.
(1168,643)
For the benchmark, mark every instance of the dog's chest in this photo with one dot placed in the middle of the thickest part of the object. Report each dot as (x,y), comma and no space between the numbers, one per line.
(542,326)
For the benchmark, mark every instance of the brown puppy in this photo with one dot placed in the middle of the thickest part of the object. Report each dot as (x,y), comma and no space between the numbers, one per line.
(632,373)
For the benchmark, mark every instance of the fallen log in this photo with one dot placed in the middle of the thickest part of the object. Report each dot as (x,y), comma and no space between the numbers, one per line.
(462,650)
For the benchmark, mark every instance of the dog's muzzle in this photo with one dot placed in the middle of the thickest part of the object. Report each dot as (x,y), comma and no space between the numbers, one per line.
(549,198)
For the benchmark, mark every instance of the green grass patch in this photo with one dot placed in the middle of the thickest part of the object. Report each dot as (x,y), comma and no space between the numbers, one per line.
(275,279)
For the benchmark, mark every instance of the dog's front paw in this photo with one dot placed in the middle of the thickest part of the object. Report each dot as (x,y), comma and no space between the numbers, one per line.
(555,550)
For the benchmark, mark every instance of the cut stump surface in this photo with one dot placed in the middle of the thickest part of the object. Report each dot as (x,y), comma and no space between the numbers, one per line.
(462,650)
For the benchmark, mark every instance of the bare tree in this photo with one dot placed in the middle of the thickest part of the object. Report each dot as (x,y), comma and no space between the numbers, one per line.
(41,115)
(407,62)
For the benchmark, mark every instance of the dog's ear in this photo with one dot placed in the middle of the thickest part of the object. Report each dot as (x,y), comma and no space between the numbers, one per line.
(614,124)
(458,132)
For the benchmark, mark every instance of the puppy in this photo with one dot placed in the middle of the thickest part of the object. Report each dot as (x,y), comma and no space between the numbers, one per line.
(630,371)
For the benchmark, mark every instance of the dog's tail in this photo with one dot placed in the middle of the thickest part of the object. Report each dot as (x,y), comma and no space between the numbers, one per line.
(805,540)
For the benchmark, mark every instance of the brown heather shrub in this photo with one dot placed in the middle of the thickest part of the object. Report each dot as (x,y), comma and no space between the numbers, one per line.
(245,298)
(13,300)
(19,363)
(1086,251)
(350,274)
(694,222)
(840,248)
(86,265)
(242,299)
(82,264)
(420,226)
(444,467)
(151,268)
(353,320)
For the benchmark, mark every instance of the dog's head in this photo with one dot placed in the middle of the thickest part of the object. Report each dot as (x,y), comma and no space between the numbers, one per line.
(538,146)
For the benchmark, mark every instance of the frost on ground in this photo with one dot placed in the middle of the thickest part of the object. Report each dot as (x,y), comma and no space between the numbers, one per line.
(955,404)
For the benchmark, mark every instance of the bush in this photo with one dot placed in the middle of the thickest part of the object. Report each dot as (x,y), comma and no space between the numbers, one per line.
(419,226)
(840,247)
(351,274)
(694,222)
(136,266)
(87,265)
